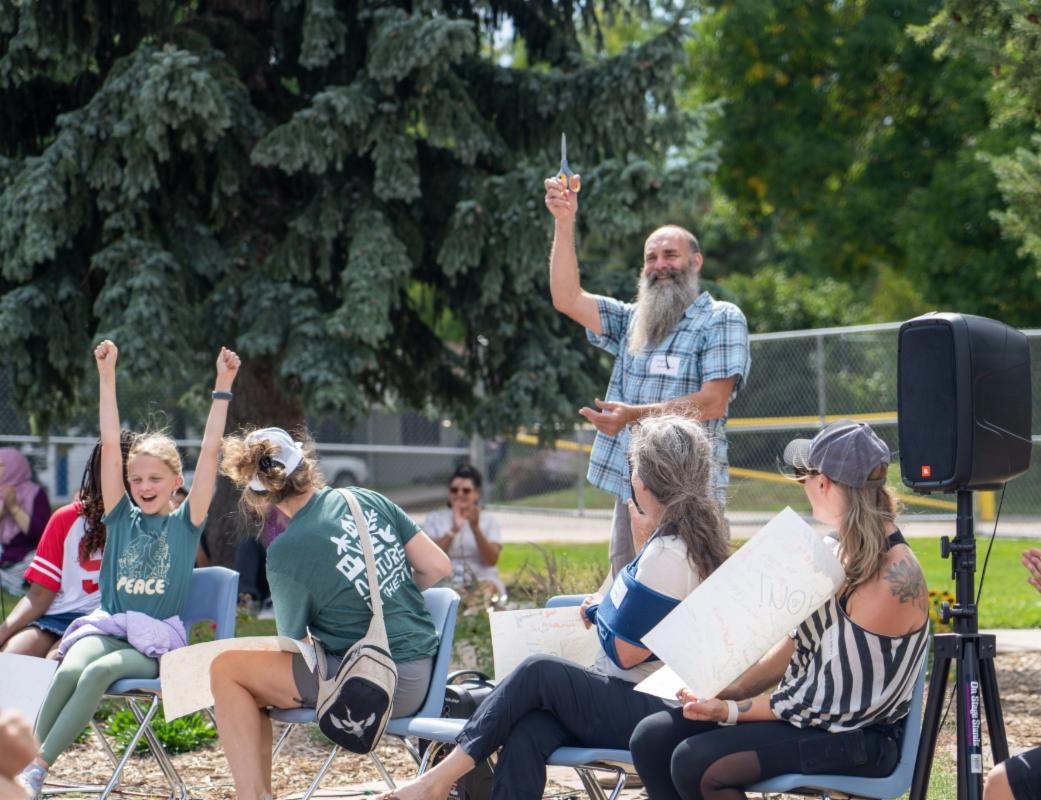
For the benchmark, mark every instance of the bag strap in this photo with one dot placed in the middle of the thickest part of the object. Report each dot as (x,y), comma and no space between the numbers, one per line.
(377,628)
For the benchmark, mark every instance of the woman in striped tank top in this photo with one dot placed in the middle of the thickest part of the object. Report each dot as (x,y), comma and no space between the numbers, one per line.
(843,678)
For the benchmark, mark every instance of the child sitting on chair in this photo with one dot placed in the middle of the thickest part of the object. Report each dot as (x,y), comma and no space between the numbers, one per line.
(147,565)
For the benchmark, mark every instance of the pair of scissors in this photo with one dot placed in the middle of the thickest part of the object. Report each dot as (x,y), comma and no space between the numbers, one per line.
(571,181)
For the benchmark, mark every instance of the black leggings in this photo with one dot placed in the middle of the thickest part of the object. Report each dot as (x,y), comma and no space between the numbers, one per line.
(547,703)
(679,759)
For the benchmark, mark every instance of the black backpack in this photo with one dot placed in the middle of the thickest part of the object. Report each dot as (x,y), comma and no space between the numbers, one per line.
(464,692)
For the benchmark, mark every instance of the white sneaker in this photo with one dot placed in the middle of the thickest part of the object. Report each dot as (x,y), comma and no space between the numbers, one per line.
(31,779)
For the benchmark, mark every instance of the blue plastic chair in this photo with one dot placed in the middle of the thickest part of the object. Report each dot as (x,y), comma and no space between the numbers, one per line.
(894,785)
(588,760)
(442,603)
(212,597)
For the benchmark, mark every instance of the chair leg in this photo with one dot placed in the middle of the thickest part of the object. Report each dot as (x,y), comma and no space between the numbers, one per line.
(592,786)
(113,782)
(413,751)
(377,762)
(104,742)
(162,758)
(282,740)
(619,785)
(321,773)
(429,755)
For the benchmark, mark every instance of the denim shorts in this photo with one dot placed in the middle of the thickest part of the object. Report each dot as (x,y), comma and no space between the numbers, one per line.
(55,623)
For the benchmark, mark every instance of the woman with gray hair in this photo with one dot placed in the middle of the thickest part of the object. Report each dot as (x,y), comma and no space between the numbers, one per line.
(842,681)
(548,702)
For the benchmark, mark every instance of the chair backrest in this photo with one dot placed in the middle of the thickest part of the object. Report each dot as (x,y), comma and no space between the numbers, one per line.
(213,596)
(563,600)
(442,603)
(912,728)
(895,784)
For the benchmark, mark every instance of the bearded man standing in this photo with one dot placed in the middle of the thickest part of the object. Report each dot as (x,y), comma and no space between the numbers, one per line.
(676,348)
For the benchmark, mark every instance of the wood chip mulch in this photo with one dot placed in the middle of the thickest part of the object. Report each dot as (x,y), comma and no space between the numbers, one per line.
(207,775)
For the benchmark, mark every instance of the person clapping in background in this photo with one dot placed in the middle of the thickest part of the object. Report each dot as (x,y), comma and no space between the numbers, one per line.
(470,537)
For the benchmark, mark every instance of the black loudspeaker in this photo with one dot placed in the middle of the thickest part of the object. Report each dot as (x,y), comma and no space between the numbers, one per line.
(963,403)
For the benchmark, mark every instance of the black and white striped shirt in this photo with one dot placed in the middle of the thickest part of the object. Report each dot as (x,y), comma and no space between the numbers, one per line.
(842,677)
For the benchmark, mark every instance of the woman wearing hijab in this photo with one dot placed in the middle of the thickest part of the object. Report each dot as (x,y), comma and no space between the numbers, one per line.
(24,508)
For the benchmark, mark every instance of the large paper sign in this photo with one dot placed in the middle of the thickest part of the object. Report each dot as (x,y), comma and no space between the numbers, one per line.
(771,585)
(24,681)
(540,631)
(184,674)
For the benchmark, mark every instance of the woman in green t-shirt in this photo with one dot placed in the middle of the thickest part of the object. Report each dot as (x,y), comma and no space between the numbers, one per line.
(316,573)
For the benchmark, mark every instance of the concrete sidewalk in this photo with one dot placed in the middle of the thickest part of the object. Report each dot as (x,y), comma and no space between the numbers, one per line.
(595,526)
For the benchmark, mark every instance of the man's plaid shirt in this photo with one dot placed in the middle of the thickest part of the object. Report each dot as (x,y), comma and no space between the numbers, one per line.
(710,342)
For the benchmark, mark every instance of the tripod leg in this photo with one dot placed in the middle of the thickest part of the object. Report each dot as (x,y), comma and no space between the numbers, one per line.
(970,725)
(991,702)
(931,720)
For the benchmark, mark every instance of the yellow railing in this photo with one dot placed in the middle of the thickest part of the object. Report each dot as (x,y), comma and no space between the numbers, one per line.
(986,500)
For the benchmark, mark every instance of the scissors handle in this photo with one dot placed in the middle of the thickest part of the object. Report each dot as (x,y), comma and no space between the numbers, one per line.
(571,181)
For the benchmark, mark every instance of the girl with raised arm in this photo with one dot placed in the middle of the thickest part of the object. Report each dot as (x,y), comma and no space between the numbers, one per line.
(145,571)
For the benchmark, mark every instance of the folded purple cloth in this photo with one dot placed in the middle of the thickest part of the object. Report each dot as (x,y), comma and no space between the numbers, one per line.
(147,635)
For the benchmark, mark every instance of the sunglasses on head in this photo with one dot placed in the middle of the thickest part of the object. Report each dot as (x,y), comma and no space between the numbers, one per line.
(460,490)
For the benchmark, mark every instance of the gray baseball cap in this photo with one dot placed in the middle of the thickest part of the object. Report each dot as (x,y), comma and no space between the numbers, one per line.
(846,451)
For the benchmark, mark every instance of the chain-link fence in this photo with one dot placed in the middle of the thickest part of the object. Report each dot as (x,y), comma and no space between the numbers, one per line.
(799,380)
(404,454)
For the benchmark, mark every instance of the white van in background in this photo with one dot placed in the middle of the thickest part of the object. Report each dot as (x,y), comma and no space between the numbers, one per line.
(58,466)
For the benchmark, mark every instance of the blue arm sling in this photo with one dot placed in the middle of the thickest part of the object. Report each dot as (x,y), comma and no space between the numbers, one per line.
(629,611)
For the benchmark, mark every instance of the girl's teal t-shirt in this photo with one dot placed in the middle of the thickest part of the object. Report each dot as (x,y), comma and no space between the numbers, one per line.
(148,560)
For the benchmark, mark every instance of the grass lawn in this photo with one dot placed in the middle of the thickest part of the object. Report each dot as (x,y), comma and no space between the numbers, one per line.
(1008,601)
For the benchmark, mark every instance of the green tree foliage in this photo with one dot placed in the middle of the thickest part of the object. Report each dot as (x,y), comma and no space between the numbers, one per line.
(317,183)
(847,150)
(347,192)
(775,301)
(1004,38)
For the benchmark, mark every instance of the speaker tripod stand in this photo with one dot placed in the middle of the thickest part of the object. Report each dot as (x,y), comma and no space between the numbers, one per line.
(975,678)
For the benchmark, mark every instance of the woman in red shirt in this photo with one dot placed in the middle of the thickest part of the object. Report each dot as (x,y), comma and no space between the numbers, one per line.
(63,574)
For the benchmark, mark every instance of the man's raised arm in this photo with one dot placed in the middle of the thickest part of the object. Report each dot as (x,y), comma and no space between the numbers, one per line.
(565,289)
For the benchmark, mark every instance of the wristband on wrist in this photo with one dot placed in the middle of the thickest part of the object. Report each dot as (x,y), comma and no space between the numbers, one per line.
(731,713)
(218,395)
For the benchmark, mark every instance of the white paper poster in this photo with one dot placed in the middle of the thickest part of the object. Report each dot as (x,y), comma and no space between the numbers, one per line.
(185,673)
(540,631)
(24,681)
(771,585)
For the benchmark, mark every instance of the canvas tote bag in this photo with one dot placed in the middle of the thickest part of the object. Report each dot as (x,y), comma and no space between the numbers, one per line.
(354,705)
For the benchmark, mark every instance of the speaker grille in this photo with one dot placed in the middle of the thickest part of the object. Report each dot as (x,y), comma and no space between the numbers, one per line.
(927,404)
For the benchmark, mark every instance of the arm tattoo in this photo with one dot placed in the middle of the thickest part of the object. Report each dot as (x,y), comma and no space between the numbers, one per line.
(906,581)
(744,705)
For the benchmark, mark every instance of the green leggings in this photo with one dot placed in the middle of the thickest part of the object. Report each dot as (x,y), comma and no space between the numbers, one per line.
(90,666)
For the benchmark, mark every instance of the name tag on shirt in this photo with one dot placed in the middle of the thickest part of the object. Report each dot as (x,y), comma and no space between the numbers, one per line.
(662,364)
(618,591)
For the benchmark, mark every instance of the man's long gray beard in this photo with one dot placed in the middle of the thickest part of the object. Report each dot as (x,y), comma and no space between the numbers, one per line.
(659,306)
